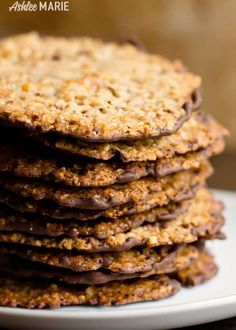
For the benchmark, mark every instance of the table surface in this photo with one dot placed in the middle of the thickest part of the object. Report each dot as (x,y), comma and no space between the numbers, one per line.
(224,178)
(229,324)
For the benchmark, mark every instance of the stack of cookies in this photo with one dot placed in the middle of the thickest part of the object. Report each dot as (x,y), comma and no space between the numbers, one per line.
(103,163)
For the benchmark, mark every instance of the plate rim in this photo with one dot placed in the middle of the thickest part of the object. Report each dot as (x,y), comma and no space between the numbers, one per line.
(129,313)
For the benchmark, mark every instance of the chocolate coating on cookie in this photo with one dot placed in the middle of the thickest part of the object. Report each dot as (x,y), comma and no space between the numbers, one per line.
(202,218)
(184,188)
(31,294)
(21,161)
(100,198)
(199,132)
(176,260)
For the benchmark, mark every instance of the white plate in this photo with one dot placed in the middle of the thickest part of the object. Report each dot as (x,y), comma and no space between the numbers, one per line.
(211,301)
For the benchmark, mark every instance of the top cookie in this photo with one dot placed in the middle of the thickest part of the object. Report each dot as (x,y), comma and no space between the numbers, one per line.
(92,90)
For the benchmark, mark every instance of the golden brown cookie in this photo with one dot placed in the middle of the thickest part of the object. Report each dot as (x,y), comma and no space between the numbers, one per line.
(202,218)
(179,189)
(135,260)
(37,224)
(199,132)
(92,90)
(193,275)
(40,225)
(164,261)
(29,294)
(102,197)
(26,162)
(37,294)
